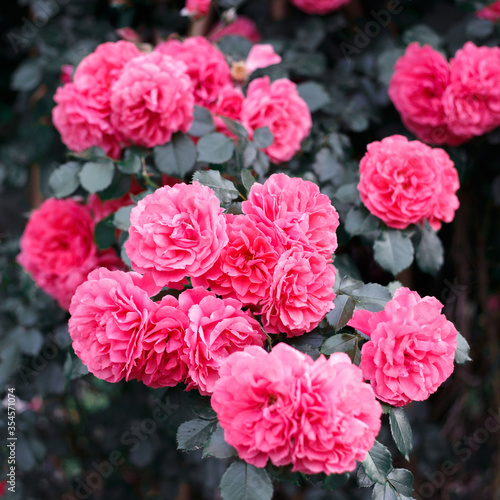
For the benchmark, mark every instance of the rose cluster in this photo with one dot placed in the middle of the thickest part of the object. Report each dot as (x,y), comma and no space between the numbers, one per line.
(406,182)
(411,348)
(284,407)
(448,103)
(320,7)
(121,96)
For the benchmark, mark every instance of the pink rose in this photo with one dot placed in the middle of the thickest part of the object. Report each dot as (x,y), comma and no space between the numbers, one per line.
(160,364)
(197,8)
(241,26)
(405,182)
(206,66)
(58,249)
(416,89)
(110,315)
(491,12)
(175,232)
(338,417)
(319,6)
(217,328)
(66,73)
(80,125)
(278,106)
(152,100)
(296,211)
(282,406)
(229,104)
(261,56)
(472,99)
(300,295)
(411,348)
(245,266)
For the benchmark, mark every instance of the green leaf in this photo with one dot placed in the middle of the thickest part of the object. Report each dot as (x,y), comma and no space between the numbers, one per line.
(314,95)
(247,179)
(401,431)
(235,47)
(343,342)
(64,180)
(73,367)
(326,166)
(215,148)
(177,158)
(121,218)
(29,341)
(463,350)
(194,434)
(402,481)
(424,35)
(27,76)
(334,481)
(243,481)
(348,193)
(372,297)
(249,155)
(131,165)
(236,128)
(358,221)
(384,492)
(263,137)
(203,122)
(342,312)
(225,190)
(104,233)
(95,177)
(378,463)
(393,251)
(217,446)
(261,164)
(429,252)
(363,480)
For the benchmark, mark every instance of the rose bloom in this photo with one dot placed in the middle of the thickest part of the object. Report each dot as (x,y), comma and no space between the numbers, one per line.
(490,12)
(110,315)
(282,406)
(175,232)
(58,249)
(416,89)
(300,295)
(245,266)
(197,8)
(241,26)
(81,126)
(206,66)
(160,364)
(411,348)
(217,328)
(278,106)
(261,56)
(472,99)
(229,104)
(152,100)
(319,6)
(405,182)
(297,212)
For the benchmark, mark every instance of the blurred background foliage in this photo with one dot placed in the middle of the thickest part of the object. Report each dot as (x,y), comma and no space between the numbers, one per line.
(70,425)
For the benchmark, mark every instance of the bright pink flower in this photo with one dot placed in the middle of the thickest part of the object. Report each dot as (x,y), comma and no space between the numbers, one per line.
(416,89)
(241,26)
(319,6)
(318,416)
(300,295)
(405,182)
(490,12)
(129,34)
(206,66)
(197,8)
(297,212)
(245,266)
(110,315)
(152,100)
(175,232)
(160,364)
(217,328)
(472,99)
(261,56)
(97,72)
(80,125)
(278,106)
(338,417)
(58,249)
(411,348)
(229,104)
(66,74)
